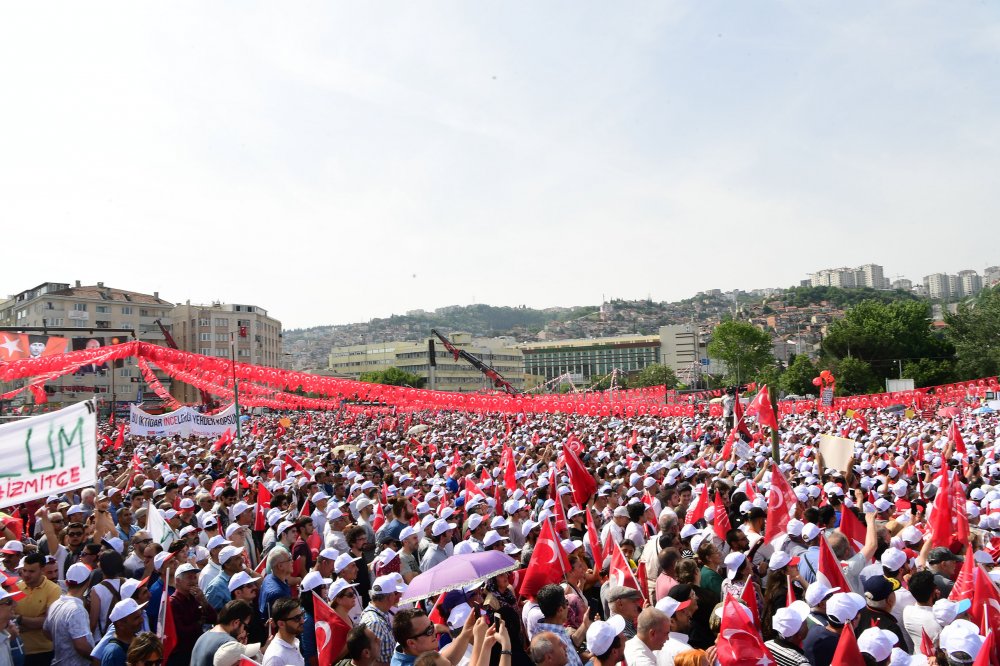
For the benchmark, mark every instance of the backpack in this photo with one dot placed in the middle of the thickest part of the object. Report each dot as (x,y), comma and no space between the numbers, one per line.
(116,596)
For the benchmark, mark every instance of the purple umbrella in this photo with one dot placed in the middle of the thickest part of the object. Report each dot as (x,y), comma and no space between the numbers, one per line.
(459,571)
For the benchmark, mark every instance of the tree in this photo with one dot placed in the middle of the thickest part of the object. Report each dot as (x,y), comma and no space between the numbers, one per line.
(604,383)
(854,377)
(884,334)
(744,348)
(392,377)
(798,377)
(974,330)
(655,374)
(930,372)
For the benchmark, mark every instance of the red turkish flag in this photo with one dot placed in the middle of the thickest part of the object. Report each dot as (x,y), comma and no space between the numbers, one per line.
(38,390)
(167,629)
(926,644)
(548,563)
(862,422)
(378,518)
(580,479)
(829,570)
(740,643)
(741,425)
(761,407)
(225,438)
(847,653)
(289,460)
(263,504)
(619,572)
(473,489)
(986,598)
(329,643)
(720,522)
(749,596)
(987,653)
(697,512)
(781,505)
(120,439)
(435,615)
(852,528)
(643,580)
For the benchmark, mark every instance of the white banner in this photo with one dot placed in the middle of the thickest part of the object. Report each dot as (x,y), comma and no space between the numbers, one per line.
(48,454)
(838,452)
(184,421)
(158,528)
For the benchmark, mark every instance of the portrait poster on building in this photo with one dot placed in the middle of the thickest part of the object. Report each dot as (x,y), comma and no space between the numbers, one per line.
(96,342)
(16,346)
(48,454)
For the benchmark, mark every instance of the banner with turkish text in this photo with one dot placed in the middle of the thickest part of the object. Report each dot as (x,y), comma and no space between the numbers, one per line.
(48,454)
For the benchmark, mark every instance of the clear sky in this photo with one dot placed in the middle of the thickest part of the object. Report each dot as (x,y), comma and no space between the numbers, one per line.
(334,162)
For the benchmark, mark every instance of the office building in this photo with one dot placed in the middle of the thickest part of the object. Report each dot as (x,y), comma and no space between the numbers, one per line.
(219,329)
(89,316)
(449,374)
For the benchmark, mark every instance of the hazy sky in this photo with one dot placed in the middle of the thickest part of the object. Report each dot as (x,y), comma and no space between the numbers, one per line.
(334,162)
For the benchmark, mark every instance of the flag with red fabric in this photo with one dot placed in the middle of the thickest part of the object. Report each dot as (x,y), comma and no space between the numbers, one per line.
(926,644)
(548,564)
(595,540)
(436,616)
(697,512)
(739,642)
(761,407)
(781,504)
(224,439)
(852,528)
(964,587)
(580,479)
(120,438)
(263,504)
(619,571)
(295,464)
(167,629)
(749,596)
(955,435)
(941,519)
(720,521)
(643,580)
(741,425)
(847,652)
(378,517)
(828,569)
(472,489)
(509,470)
(329,643)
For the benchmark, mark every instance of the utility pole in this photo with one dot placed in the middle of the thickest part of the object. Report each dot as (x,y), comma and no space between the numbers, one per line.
(236,385)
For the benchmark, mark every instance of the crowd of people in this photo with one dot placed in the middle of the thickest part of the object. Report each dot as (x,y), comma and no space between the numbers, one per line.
(296,544)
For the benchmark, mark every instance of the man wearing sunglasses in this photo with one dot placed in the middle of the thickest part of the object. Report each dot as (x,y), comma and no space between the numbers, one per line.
(288,616)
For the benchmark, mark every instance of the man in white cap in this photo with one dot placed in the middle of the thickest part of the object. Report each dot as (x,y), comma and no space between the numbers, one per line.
(605,641)
(377,615)
(213,567)
(821,642)
(679,613)
(191,611)
(127,618)
(409,566)
(231,561)
(961,642)
(790,625)
(244,587)
(441,533)
(68,622)
(233,616)
(877,643)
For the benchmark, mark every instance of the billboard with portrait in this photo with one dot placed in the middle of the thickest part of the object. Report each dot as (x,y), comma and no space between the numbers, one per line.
(15,346)
(96,342)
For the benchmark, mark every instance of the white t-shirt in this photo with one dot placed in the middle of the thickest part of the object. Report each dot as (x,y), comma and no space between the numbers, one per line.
(280,653)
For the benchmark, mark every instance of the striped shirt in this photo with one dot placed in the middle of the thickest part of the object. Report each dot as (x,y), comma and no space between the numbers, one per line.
(785,653)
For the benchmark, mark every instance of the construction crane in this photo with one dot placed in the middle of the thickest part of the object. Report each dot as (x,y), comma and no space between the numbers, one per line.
(206,397)
(495,377)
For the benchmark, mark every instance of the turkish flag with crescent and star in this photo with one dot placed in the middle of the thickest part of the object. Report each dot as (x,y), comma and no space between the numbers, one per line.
(619,572)
(328,643)
(781,503)
(548,563)
(263,504)
(740,644)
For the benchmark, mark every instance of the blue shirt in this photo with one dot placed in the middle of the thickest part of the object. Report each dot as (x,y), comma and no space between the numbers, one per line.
(402,659)
(809,565)
(272,589)
(217,591)
(307,641)
(115,654)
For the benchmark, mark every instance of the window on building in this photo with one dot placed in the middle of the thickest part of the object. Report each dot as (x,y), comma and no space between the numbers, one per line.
(221,322)
(205,337)
(222,352)
(243,352)
(104,309)
(204,321)
(222,337)
(103,323)
(127,310)
(205,351)
(80,307)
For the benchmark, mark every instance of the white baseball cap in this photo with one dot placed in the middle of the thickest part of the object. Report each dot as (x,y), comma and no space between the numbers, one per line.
(960,636)
(817,592)
(240,579)
(78,573)
(387,585)
(733,563)
(877,642)
(124,608)
(187,567)
(313,580)
(600,634)
(788,620)
(843,607)
(343,561)
(230,552)
(441,526)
